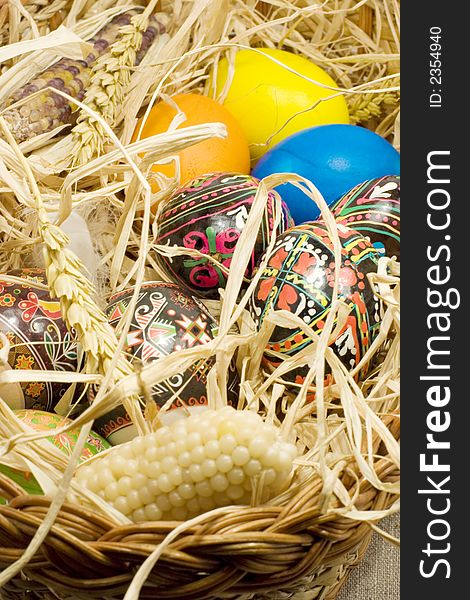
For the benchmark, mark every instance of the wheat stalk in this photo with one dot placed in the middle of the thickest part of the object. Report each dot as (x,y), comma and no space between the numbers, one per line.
(66,282)
(110,79)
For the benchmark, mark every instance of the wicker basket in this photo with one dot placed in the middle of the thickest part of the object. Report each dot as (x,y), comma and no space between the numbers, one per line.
(301,548)
(291,551)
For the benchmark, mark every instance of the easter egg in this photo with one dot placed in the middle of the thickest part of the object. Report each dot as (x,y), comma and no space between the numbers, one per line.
(32,322)
(209,214)
(24,479)
(166,319)
(335,158)
(373,209)
(271,102)
(214,154)
(45,421)
(299,278)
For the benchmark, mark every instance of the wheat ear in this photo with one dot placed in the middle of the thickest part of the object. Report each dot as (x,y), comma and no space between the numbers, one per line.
(67,283)
(364,107)
(110,80)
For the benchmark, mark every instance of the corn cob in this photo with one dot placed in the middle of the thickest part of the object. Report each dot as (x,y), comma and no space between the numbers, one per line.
(207,460)
(49,110)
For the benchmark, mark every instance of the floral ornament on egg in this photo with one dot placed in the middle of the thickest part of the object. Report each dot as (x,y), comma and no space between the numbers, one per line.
(165,319)
(38,336)
(373,209)
(209,215)
(299,277)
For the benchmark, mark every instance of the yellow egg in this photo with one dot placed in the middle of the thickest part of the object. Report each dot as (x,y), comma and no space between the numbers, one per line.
(265,97)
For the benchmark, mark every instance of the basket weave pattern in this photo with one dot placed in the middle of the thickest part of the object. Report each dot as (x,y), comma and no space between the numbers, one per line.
(251,553)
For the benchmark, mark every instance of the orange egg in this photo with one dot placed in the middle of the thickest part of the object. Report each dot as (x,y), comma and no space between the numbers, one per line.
(230,154)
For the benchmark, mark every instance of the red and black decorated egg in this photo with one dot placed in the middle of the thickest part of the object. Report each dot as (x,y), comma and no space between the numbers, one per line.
(299,278)
(38,339)
(209,215)
(373,209)
(165,320)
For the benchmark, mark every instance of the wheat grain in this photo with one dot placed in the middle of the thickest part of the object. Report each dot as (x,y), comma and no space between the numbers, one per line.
(364,107)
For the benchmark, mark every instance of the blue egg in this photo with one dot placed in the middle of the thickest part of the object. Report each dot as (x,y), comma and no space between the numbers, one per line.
(335,158)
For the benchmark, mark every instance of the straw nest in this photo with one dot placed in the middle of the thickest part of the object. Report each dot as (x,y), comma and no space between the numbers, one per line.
(68,544)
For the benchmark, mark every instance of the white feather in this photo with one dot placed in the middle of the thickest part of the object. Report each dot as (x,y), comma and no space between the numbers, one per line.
(81,245)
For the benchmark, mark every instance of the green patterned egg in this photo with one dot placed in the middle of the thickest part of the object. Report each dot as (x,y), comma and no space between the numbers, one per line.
(43,421)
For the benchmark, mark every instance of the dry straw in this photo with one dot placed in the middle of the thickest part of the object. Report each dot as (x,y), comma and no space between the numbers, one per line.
(302,544)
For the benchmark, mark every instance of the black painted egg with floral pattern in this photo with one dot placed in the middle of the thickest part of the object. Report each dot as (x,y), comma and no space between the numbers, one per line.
(299,278)
(38,338)
(209,214)
(165,320)
(373,209)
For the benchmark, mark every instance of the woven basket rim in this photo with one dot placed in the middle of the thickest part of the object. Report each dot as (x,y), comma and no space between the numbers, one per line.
(255,550)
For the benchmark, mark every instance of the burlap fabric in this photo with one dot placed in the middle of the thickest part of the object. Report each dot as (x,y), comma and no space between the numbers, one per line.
(378,576)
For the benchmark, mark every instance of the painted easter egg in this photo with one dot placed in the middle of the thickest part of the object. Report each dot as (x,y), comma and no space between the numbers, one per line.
(299,278)
(45,421)
(24,479)
(373,209)
(32,322)
(166,319)
(271,102)
(213,154)
(335,158)
(208,215)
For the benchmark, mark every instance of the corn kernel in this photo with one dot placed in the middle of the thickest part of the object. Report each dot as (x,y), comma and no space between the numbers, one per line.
(139,516)
(111,491)
(184,459)
(186,491)
(176,499)
(234,492)
(236,476)
(240,456)
(196,473)
(224,463)
(204,489)
(219,482)
(138,481)
(252,468)
(168,463)
(228,443)
(133,499)
(121,505)
(207,503)
(164,483)
(146,496)
(193,506)
(152,512)
(124,485)
(193,440)
(212,449)
(163,503)
(209,467)
(197,454)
